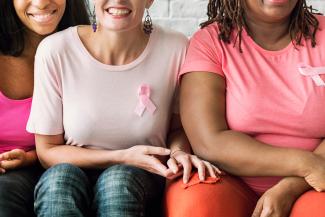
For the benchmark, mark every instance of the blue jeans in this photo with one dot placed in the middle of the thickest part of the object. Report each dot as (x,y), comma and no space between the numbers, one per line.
(119,191)
(16,191)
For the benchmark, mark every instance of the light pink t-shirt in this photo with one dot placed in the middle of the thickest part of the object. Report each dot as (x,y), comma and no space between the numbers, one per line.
(94,104)
(13,118)
(266,95)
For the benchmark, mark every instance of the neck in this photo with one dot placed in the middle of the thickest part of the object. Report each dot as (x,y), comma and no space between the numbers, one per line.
(271,36)
(118,48)
(32,41)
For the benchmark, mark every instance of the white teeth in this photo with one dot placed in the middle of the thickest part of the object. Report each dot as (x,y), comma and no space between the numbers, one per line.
(42,17)
(118,12)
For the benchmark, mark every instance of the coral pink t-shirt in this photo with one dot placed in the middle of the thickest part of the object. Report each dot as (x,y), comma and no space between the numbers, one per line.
(13,119)
(267,96)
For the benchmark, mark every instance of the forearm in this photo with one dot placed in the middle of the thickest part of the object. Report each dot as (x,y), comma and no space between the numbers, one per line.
(240,154)
(298,185)
(78,156)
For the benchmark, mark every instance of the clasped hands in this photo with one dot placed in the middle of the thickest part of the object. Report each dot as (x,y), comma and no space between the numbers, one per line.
(168,164)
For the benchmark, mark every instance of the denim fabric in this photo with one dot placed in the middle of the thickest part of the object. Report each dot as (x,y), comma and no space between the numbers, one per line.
(118,191)
(16,191)
(62,191)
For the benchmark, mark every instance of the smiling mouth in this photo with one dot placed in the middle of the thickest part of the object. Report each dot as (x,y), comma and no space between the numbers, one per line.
(118,11)
(43,17)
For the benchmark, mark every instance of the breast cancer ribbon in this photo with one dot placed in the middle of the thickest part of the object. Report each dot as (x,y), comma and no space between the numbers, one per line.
(144,101)
(313,72)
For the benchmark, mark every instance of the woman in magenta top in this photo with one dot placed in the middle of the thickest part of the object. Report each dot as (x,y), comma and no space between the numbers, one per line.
(26,23)
(256,71)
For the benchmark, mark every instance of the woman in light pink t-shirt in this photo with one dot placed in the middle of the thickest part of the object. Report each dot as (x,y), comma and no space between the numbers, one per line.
(101,113)
(252,101)
(23,24)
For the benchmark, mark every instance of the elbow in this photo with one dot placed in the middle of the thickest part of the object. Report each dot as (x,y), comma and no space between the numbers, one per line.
(208,146)
(44,158)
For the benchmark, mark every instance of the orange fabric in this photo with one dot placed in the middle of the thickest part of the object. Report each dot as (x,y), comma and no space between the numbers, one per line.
(227,197)
(310,204)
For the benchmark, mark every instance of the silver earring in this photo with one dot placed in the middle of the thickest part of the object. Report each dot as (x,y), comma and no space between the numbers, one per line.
(147,24)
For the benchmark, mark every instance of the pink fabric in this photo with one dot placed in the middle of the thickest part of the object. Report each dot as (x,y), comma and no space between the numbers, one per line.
(266,95)
(13,119)
(93,104)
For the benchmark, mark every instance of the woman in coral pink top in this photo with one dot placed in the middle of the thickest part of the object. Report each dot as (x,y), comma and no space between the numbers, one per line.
(252,100)
(23,24)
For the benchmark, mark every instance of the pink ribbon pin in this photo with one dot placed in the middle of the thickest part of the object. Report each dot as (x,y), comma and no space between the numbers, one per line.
(144,101)
(313,72)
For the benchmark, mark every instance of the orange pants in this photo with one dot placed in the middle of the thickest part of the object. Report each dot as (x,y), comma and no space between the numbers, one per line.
(229,197)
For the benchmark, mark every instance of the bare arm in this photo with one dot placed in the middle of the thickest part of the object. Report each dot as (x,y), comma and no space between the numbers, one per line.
(298,185)
(203,118)
(177,139)
(52,150)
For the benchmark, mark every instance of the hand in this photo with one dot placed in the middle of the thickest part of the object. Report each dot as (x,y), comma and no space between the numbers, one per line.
(316,173)
(12,159)
(181,159)
(148,158)
(275,202)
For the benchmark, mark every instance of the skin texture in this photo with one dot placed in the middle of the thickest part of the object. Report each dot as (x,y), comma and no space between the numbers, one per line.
(212,140)
(16,73)
(112,45)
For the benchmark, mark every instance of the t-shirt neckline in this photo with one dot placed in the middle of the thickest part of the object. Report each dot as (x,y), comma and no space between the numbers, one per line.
(125,67)
(17,101)
(264,51)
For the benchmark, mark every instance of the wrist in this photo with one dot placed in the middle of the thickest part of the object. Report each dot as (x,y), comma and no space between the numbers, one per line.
(306,164)
(174,151)
(122,156)
(293,186)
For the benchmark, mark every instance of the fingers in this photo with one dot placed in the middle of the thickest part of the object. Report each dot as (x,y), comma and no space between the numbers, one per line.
(258,208)
(10,164)
(13,154)
(158,167)
(200,165)
(186,163)
(211,169)
(152,150)
(266,212)
(218,170)
(2,171)
(172,164)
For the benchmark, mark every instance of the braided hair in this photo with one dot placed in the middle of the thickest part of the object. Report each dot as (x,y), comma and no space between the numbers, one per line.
(229,15)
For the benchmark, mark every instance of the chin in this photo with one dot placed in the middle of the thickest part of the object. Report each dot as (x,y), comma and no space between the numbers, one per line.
(45,31)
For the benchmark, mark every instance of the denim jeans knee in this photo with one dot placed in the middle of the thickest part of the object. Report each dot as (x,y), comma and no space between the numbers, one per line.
(126,191)
(63,190)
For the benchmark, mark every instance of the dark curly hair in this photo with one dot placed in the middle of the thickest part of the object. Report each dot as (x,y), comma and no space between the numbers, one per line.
(229,15)
(12,30)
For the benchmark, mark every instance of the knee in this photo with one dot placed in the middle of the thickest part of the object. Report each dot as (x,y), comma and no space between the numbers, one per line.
(208,200)
(310,203)
(125,180)
(8,186)
(60,178)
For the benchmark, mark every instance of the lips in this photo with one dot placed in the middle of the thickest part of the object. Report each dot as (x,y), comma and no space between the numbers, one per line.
(118,11)
(43,17)
(278,2)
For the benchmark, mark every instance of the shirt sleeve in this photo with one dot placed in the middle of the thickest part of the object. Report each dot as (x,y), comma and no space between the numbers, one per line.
(46,113)
(203,54)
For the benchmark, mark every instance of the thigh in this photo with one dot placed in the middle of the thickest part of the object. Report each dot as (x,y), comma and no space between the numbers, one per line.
(63,190)
(229,197)
(310,204)
(16,190)
(123,190)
